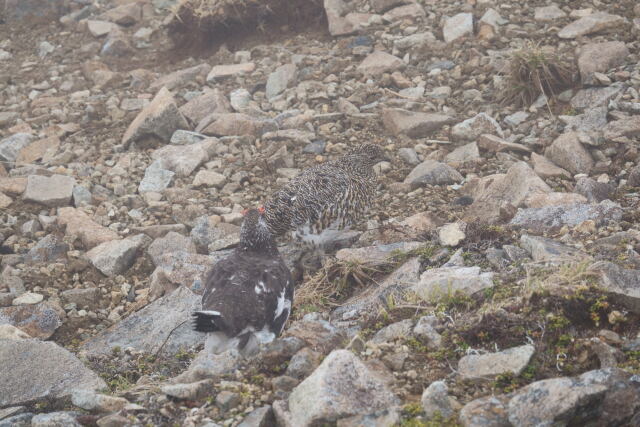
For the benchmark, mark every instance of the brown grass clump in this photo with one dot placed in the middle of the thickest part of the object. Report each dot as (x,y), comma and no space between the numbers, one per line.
(214,22)
(535,70)
(333,282)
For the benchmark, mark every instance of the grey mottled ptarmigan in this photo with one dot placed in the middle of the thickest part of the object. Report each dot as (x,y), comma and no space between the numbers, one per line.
(247,294)
(325,199)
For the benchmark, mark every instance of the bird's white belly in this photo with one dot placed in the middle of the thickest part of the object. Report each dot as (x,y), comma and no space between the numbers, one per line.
(325,238)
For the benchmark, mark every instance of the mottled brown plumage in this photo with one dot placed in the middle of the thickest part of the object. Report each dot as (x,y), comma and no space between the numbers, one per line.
(326,198)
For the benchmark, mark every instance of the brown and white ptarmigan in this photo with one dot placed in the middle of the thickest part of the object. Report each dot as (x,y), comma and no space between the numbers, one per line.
(323,200)
(247,295)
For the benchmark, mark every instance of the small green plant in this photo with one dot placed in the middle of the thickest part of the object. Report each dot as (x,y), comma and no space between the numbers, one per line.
(557,322)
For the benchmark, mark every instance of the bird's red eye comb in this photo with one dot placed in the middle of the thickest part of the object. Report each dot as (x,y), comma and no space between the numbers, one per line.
(261,210)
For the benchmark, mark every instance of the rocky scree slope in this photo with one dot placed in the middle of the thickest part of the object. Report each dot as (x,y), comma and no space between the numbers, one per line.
(498,269)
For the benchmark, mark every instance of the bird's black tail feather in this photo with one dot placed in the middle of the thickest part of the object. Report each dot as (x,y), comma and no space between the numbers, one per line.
(207,321)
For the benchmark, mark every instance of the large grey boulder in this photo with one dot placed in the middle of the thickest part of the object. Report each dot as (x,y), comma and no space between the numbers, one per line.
(33,370)
(623,284)
(148,328)
(487,366)
(342,386)
(608,397)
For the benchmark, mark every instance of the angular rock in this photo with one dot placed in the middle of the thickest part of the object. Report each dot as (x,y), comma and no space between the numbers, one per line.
(11,146)
(235,124)
(547,250)
(210,102)
(56,419)
(147,329)
(48,249)
(261,417)
(465,154)
(600,58)
(117,44)
(394,331)
(10,332)
(182,159)
(412,12)
(431,172)
(487,411)
(222,71)
(116,256)
(471,129)
(498,195)
(379,62)
(82,298)
(589,24)
(628,127)
(99,28)
(341,387)
(595,96)
(451,234)
(125,15)
(425,331)
(554,217)
(497,145)
(595,191)
(13,186)
(156,179)
(210,237)
(209,178)
(340,21)
(554,199)
(435,400)
(159,120)
(59,372)
(375,255)
(439,282)
(487,366)
(182,269)
(38,321)
(545,168)
(548,13)
(622,284)
(593,119)
(51,191)
(96,402)
(172,242)
(191,391)
(303,363)
(180,78)
(79,224)
(555,400)
(458,26)
(381,6)
(280,79)
(568,153)
(413,124)
(319,335)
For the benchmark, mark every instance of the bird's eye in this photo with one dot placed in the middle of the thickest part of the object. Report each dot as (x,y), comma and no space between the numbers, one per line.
(261,210)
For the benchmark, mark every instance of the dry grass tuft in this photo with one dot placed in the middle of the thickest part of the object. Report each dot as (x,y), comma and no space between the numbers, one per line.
(535,70)
(215,21)
(333,282)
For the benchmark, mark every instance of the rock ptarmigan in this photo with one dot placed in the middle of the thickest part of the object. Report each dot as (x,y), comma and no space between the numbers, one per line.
(325,199)
(248,295)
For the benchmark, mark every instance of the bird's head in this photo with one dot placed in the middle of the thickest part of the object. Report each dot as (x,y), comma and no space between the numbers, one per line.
(254,232)
(371,153)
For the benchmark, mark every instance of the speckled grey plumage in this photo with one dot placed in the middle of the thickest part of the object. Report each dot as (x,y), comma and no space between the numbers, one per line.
(333,195)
